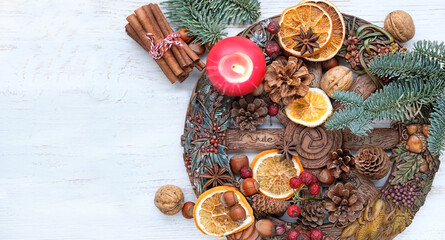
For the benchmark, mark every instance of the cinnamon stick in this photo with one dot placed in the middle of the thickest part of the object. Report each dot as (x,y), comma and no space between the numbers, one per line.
(148,27)
(167,30)
(195,58)
(161,62)
(157,28)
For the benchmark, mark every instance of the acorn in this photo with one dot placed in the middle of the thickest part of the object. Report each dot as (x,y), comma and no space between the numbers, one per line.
(237,162)
(325,177)
(412,129)
(237,213)
(426,129)
(229,199)
(187,210)
(183,34)
(266,228)
(249,187)
(416,143)
(423,165)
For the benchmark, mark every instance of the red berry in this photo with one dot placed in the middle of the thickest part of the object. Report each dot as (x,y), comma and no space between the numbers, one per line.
(272,49)
(295,183)
(314,189)
(293,234)
(306,177)
(316,234)
(314,179)
(273,109)
(293,211)
(273,27)
(246,172)
(303,237)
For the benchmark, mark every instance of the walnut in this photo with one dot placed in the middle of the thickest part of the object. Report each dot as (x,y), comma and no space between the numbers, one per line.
(401,25)
(169,199)
(336,79)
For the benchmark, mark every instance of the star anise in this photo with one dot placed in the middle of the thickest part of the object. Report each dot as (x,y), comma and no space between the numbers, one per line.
(288,149)
(307,41)
(215,176)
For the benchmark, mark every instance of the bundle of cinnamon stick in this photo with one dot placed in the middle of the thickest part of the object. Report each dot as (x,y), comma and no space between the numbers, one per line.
(177,62)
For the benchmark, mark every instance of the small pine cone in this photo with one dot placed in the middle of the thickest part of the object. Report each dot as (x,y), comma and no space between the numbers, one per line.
(312,213)
(249,112)
(343,203)
(373,162)
(340,163)
(263,206)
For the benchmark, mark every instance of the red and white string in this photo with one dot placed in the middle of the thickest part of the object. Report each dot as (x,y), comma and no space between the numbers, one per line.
(158,50)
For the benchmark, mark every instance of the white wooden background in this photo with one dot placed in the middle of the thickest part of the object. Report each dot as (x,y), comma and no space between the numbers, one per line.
(89,127)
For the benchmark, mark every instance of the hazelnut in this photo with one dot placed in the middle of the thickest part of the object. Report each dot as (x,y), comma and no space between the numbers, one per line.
(169,199)
(197,48)
(331,63)
(400,25)
(325,176)
(183,34)
(249,187)
(229,198)
(411,129)
(266,228)
(426,129)
(423,165)
(187,210)
(337,79)
(237,162)
(258,91)
(237,213)
(416,143)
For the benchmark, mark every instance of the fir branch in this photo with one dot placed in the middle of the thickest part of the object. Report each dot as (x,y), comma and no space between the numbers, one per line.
(240,11)
(431,49)
(348,98)
(399,101)
(406,66)
(436,140)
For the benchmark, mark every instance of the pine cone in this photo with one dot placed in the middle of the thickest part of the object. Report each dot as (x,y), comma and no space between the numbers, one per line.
(249,112)
(263,206)
(312,213)
(373,162)
(287,80)
(340,162)
(343,203)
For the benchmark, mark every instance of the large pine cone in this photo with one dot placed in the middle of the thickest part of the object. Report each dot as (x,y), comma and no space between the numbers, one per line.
(263,206)
(373,162)
(343,203)
(341,162)
(312,213)
(249,112)
(287,80)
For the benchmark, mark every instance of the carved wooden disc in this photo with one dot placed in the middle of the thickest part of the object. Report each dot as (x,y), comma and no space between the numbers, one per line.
(313,144)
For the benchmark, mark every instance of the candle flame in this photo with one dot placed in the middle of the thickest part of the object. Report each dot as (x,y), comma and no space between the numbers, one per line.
(238,69)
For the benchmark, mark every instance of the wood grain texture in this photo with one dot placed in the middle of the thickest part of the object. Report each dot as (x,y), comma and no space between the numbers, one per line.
(90,128)
(385,138)
(259,140)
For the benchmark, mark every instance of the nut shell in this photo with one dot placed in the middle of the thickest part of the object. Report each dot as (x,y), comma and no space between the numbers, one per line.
(416,143)
(237,162)
(412,128)
(325,177)
(339,78)
(249,187)
(266,228)
(187,210)
(229,199)
(169,199)
(401,25)
(238,213)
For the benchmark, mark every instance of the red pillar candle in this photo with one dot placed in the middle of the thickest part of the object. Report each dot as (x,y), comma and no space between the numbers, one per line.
(236,66)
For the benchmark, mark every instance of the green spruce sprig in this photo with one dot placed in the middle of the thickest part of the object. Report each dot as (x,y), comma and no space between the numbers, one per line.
(436,140)
(207,19)
(431,49)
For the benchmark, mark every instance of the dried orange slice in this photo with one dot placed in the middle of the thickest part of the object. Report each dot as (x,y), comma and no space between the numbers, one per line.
(338,31)
(211,217)
(304,16)
(312,110)
(274,174)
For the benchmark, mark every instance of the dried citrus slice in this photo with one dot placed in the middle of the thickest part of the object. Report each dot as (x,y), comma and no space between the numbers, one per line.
(274,174)
(312,110)
(338,31)
(211,217)
(304,16)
